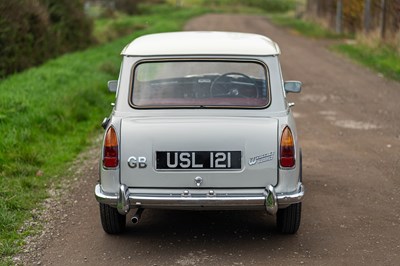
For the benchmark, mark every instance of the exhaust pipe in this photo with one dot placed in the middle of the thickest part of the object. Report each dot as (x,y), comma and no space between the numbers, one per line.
(136,218)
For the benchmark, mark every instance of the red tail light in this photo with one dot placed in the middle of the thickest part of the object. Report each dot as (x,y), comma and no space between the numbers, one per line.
(110,153)
(287,148)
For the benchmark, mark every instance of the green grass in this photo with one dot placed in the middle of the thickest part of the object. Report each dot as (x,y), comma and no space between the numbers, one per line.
(50,113)
(303,27)
(384,60)
(269,6)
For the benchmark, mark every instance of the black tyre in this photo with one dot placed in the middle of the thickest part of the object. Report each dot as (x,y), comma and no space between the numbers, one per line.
(288,219)
(112,221)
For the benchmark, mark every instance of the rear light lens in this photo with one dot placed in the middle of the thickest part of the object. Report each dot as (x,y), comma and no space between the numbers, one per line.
(110,152)
(287,148)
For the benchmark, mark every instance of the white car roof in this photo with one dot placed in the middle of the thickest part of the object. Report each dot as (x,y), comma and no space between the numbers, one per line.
(201,43)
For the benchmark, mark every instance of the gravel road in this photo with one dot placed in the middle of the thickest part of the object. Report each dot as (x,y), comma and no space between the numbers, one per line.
(349,127)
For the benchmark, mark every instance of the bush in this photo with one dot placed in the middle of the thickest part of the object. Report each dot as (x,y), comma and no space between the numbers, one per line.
(24,29)
(32,31)
(70,28)
(129,7)
(273,5)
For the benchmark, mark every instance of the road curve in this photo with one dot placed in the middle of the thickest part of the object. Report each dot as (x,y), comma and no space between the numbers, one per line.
(349,127)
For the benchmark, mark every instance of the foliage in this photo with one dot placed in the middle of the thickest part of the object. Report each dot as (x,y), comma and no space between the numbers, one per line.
(354,17)
(70,28)
(132,7)
(32,31)
(129,7)
(47,115)
(304,27)
(23,34)
(110,29)
(270,6)
(352,14)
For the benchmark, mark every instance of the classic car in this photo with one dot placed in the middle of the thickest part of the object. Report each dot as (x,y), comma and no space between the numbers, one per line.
(200,122)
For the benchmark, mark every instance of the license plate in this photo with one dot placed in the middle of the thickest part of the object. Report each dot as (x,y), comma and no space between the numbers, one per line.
(200,160)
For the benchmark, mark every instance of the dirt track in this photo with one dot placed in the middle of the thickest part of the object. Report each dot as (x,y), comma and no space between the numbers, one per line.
(349,125)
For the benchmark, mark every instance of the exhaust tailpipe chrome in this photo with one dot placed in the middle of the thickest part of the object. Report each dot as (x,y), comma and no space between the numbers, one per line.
(136,218)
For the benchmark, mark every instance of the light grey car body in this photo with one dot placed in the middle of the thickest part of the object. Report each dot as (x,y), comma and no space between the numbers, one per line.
(260,183)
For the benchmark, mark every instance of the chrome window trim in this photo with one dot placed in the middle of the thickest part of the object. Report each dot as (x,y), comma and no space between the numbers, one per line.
(215,59)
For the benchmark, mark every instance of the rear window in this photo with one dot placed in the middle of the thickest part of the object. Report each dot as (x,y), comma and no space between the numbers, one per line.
(201,84)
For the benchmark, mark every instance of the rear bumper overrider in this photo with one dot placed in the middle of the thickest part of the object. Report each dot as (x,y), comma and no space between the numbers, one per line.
(268,199)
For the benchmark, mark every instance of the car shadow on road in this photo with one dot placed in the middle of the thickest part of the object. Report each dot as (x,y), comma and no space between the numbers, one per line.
(223,232)
(191,223)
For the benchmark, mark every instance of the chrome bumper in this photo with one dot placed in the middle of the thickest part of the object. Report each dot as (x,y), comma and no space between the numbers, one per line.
(268,200)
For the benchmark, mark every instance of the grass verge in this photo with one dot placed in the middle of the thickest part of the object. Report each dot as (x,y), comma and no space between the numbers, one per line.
(266,5)
(48,115)
(384,60)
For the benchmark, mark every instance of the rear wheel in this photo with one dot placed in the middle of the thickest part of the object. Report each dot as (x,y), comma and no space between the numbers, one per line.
(288,219)
(112,221)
